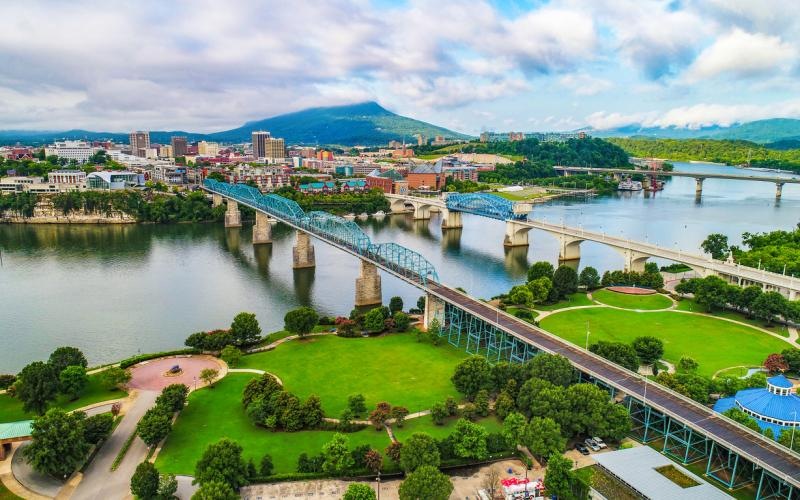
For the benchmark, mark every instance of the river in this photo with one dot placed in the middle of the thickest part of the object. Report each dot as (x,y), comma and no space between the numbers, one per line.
(117,290)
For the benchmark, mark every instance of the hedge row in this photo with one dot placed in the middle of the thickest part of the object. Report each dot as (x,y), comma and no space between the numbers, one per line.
(125,363)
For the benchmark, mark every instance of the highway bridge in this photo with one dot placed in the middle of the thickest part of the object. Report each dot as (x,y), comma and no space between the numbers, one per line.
(698,176)
(690,432)
(635,253)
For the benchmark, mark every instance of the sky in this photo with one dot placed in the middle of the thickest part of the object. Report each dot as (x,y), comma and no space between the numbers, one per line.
(469,65)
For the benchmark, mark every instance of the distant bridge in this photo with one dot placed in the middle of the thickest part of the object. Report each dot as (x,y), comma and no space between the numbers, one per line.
(733,454)
(698,176)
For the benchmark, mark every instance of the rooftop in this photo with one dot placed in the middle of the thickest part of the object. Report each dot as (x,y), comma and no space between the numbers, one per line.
(780,381)
(14,430)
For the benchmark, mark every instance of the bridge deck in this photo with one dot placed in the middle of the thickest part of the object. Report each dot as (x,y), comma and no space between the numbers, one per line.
(761,451)
(672,173)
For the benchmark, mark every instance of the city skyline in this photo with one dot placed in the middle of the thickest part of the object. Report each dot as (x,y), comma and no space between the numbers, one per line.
(468,66)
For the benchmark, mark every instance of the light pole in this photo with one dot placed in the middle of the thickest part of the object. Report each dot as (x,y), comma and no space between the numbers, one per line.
(587,335)
(195,383)
(791,445)
(378,487)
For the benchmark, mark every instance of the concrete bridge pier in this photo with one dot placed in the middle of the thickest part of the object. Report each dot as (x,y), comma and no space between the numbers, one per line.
(516,234)
(778,190)
(634,261)
(698,187)
(569,248)
(451,219)
(368,286)
(434,308)
(216,199)
(422,211)
(397,206)
(303,252)
(233,216)
(262,230)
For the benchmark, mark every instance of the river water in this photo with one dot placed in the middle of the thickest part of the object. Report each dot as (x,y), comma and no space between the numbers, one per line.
(117,290)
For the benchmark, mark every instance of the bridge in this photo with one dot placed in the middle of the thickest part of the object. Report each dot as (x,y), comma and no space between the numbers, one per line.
(634,253)
(686,430)
(698,176)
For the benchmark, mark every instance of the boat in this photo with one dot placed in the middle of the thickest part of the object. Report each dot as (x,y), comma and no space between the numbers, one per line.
(363,216)
(379,214)
(350,216)
(629,185)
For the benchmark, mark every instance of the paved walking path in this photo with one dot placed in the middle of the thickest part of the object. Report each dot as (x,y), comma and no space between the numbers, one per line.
(99,482)
(278,342)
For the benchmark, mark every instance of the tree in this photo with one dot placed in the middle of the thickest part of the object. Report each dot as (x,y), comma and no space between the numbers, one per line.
(792,358)
(231,355)
(617,352)
(421,304)
(589,278)
(491,481)
(482,403)
(768,305)
(439,413)
(540,289)
(265,467)
(395,304)
(373,460)
(300,321)
(469,440)
(73,381)
(37,385)
(687,364)
(711,292)
(215,490)
(337,455)
(113,377)
(540,269)
(97,427)
(312,412)
(356,404)
(373,320)
(58,443)
(145,481)
(558,477)
(167,486)
(565,281)
(514,429)
(67,356)
(209,375)
(649,349)
(222,461)
(503,405)
(418,450)
(775,363)
(401,321)
(543,437)
(521,295)
(154,426)
(472,375)
(426,482)
(359,491)
(245,328)
(717,245)
(554,368)
(394,450)
(173,397)
(380,414)
(399,414)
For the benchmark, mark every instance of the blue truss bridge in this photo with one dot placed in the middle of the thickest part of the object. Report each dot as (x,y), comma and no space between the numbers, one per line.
(484,204)
(689,432)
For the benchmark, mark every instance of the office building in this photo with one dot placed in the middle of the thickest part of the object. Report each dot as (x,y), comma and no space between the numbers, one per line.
(267,147)
(79,151)
(178,146)
(140,143)
(208,149)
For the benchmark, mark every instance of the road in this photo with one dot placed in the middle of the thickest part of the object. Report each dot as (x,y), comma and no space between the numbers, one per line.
(99,483)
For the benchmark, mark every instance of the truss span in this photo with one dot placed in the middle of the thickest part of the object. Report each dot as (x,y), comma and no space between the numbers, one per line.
(485,204)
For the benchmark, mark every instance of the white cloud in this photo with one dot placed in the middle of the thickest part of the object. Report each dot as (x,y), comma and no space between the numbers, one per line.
(742,54)
(585,85)
(447,92)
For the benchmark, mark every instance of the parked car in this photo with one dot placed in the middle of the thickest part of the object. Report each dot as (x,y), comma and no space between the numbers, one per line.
(582,448)
(591,444)
(600,442)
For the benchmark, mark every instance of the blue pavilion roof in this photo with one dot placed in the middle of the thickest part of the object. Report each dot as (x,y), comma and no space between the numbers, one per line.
(768,404)
(780,381)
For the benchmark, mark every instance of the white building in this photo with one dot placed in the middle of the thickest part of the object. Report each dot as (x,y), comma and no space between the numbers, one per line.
(79,151)
(71,177)
(209,149)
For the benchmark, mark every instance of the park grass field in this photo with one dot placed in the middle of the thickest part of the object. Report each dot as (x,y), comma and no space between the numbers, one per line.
(573,300)
(714,343)
(425,424)
(11,408)
(629,301)
(216,413)
(393,368)
(690,305)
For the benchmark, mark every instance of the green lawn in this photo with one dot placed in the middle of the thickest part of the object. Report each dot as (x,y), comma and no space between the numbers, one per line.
(629,301)
(394,368)
(715,344)
(576,299)
(11,408)
(425,424)
(216,413)
(691,305)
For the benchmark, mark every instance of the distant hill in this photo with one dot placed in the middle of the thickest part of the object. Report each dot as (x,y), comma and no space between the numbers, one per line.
(760,131)
(365,123)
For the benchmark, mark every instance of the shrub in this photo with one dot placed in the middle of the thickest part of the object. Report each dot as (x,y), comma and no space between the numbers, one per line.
(128,362)
(97,427)
(111,378)
(172,397)
(6,381)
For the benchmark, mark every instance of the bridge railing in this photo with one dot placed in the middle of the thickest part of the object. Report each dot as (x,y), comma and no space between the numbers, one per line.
(485,204)
(332,228)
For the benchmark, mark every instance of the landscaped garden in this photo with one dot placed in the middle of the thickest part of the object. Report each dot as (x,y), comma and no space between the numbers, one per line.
(394,368)
(630,301)
(215,413)
(713,343)
(425,424)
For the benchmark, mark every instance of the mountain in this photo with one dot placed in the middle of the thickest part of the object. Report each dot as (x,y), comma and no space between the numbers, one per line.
(760,131)
(365,123)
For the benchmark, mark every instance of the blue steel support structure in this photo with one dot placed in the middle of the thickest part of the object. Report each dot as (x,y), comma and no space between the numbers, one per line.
(485,204)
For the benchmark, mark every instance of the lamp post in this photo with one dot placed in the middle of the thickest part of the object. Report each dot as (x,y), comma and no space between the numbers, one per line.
(378,487)
(526,483)
(195,383)
(587,335)
(791,445)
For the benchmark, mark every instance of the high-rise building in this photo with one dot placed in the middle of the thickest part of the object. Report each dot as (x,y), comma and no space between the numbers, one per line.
(268,147)
(140,143)
(165,151)
(178,146)
(205,148)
